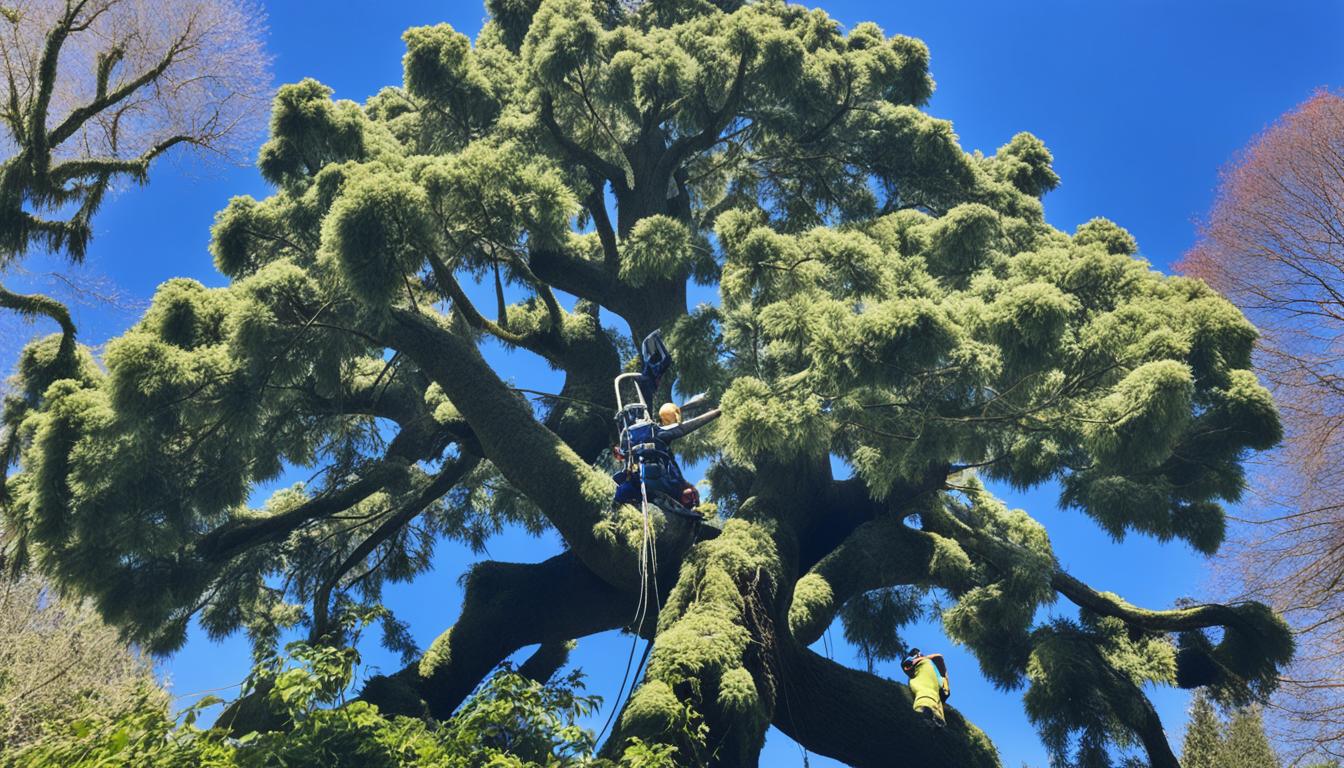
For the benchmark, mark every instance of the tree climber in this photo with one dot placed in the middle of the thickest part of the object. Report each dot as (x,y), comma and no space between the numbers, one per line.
(928,683)
(650,471)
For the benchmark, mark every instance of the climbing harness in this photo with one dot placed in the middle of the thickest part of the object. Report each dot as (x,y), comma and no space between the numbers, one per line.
(649,474)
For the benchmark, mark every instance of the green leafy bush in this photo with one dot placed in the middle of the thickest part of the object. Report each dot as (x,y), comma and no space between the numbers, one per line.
(510,722)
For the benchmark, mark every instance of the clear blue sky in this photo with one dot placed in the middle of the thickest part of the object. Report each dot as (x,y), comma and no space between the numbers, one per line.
(1140,102)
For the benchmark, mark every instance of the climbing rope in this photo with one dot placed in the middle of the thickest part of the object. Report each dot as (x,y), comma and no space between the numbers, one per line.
(648,580)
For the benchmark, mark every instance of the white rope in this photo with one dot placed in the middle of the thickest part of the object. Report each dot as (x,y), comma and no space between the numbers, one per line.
(648,555)
(650,539)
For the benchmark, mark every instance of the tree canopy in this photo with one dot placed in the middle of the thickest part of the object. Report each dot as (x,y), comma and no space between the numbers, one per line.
(887,303)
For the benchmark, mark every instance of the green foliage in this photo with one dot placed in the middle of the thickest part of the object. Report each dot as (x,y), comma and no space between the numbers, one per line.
(994,617)
(309,131)
(871,621)
(377,231)
(1203,741)
(1238,742)
(658,248)
(1106,233)
(964,241)
(1079,704)
(1240,668)
(1025,163)
(440,67)
(1245,744)
(760,423)
(509,721)
(1143,417)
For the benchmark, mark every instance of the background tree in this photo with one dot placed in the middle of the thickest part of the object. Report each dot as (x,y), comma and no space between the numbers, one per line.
(1238,742)
(1203,737)
(887,302)
(96,90)
(1274,245)
(59,662)
(1245,744)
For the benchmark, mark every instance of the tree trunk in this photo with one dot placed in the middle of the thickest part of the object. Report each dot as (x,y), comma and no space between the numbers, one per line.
(714,671)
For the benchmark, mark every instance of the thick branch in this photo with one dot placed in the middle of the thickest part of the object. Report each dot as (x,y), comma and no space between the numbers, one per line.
(236,535)
(879,553)
(606,234)
(1175,620)
(46,82)
(1003,554)
(448,282)
(1148,726)
(590,160)
(855,545)
(34,305)
(687,145)
(864,720)
(581,277)
(560,600)
(544,662)
(534,459)
(418,440)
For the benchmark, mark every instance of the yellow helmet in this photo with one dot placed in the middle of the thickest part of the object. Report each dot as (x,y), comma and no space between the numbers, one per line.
(669,414)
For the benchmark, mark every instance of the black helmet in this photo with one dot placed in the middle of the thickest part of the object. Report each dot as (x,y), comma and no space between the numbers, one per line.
(908,663)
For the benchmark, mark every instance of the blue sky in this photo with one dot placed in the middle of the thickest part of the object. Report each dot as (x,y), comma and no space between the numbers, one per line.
(1141,102)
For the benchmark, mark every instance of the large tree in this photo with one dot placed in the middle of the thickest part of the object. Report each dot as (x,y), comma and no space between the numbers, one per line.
(1274,245)
(887,302)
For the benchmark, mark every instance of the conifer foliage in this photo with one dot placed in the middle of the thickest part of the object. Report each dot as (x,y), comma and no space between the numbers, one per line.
(1238,742)
(886,299)
(1203,735)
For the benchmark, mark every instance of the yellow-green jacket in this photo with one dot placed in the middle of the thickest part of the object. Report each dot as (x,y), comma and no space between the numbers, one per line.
(928,683)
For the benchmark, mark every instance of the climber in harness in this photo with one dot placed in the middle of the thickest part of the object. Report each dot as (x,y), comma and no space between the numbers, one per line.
(649,471)
(928,683)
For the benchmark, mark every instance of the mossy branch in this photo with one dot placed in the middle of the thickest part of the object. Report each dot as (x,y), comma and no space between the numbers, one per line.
(34,305)
(448,282)
(584,278)
(864,720)
(879,553)
(1175,620)
(572,495)
(544,662)
(561,599)
(237,535)
(1004,553)
(586,157)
